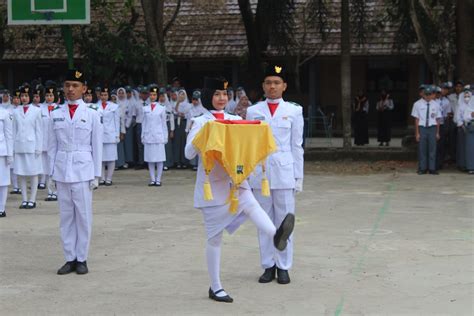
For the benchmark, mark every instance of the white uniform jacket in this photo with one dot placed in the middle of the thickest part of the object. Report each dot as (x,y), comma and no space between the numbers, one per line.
(218,178)
(45,120)
(27,130)
(111,122)
(6,133)
(154,129)
(286,164)
(75,145)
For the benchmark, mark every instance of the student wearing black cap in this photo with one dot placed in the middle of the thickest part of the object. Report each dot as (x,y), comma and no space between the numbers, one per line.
(28,142)
(75,151)
(284,169)
(217,217)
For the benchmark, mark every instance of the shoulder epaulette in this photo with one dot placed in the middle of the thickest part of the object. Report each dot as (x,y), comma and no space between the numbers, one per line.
(294,103)
(55,108)
(93,107)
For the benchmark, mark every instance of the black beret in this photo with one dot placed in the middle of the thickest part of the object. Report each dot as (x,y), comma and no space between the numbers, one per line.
(75,75)
(215,84)
(275,71)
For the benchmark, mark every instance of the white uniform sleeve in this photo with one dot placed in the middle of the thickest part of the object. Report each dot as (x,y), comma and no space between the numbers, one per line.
(189,150)
(164,126)
(8,131)
(39,132)
(414,112)
(144,126)
(297,142)
(172,121)
(119,122)
(96,142)
(52,146)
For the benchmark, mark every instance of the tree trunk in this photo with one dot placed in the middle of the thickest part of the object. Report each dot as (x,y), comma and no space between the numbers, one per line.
(465,40)
(346,74)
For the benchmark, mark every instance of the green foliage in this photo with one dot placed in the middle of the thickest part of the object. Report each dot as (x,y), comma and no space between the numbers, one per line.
(318,17)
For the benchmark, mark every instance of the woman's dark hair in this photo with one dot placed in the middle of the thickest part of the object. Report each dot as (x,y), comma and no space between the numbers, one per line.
(210,87)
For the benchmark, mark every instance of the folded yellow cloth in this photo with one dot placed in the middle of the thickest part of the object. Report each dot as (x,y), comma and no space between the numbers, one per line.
(238,148)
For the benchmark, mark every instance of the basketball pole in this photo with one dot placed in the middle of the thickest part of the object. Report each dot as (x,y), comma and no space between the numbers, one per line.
(66,32)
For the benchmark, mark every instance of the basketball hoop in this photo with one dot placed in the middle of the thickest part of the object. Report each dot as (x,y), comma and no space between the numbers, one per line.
(48,15)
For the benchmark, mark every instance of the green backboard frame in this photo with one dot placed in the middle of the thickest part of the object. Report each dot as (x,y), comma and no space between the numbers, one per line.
(48,12)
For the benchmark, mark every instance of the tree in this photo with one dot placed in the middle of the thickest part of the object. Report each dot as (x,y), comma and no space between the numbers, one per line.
(156,30)
(465,39)
(346,73)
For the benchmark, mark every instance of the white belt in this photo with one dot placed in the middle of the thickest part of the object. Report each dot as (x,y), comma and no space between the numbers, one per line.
(74,147)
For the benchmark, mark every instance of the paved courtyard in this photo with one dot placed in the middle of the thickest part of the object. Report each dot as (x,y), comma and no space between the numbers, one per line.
(389,243)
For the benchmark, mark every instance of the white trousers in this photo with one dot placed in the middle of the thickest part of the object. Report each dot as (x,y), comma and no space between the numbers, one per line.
(277,206)
(75,208)
(3,197)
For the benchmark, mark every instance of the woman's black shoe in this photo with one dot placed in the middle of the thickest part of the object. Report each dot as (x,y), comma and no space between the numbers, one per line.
(225,299)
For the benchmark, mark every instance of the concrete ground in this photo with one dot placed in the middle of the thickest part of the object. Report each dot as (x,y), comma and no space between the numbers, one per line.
(389,243)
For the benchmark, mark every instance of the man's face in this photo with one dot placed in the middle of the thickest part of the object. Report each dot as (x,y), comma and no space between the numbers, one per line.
(274,87)
(104,96)
(129,95)
(5,98)
(174,96)
(458,88)
(74,90)
(49,97)
(444,92)
(144,95)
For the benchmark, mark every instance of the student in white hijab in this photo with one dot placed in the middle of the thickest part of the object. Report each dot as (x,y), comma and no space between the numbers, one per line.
(180,112)
(196,110)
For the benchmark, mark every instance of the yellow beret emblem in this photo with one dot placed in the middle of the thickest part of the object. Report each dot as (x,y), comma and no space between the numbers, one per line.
(226,84)
(78,75)
(278,69)
(51,90)
(27,89)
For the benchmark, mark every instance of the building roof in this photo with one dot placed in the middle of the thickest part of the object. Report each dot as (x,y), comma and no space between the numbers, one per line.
(198,33)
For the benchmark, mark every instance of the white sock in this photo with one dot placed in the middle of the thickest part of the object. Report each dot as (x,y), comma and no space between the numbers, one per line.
(103,170)
(43,179)
(110,170)
(3,197)
(14,179)
(213,256)
(24,192)
(159,170)
(34,188)
(151,169)
(48,185)
(258,216)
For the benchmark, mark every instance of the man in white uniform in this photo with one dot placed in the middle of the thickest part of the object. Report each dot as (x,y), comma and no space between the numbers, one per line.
(75,149)
(284,169)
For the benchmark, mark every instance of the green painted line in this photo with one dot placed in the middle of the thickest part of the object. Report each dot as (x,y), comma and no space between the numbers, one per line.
(362,258)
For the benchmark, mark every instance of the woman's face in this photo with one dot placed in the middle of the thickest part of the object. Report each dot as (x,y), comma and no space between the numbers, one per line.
(49,97)
(162,99)
(220,99)
(114,98)
(195,102)
(181,96)
(16,100)
(36,98)
(25,98)
(153,96)
(121,94)
(244,101)
(88,98)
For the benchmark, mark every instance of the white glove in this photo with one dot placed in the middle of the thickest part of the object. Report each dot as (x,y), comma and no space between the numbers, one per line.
(299,185)
(52,184)
(9,160)
(94,184)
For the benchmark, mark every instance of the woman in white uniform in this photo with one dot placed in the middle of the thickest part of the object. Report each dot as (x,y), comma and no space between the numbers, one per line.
(46,108)
(217,217)
(6,156)
(110,113)
(28,142)
(14,178)
(155,135)
(180,112)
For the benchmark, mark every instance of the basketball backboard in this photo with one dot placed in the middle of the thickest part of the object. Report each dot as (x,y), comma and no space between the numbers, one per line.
(49,12)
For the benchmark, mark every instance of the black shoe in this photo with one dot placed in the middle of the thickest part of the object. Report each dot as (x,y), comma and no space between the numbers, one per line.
(470,172)
(41,186)
(434,172)
(282,276)
(68,267)
(30,205)
(81,267)
(3,214)
(151,184)
(178,167)
(157,184)
(225,299)
(195,168)
(15,191)
(165,168)
(108,183)
(24,205)
(420,172)
(268,276)
(284,231)
(102,182)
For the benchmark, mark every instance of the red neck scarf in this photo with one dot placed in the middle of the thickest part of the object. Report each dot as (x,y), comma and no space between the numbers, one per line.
(50,107)
(218,116)
(25,108)
(104,104)
(272,107)
(72,109)
(153,105)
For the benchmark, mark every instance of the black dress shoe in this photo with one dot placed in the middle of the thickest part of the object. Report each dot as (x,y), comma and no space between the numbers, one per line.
(157,184)
(3,214)
(31,205)
(67,268)
(282,276)
(108,183)
(41,186)
(24,205)
(420,172)
(225,299)
(284,231)
(268,276)
(81,267)
(151,184)
(15,191)
(434,172)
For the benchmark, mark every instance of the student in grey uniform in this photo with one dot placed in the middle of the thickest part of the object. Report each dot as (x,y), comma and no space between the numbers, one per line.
(155,135)
(110,113)
(75,151)
(468,118)
(453,137)
(217,217)
(28,141)
(427,113)
(284,169)
(446,113)
(464,100)
(180,112)
(195,111)
(6,156)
